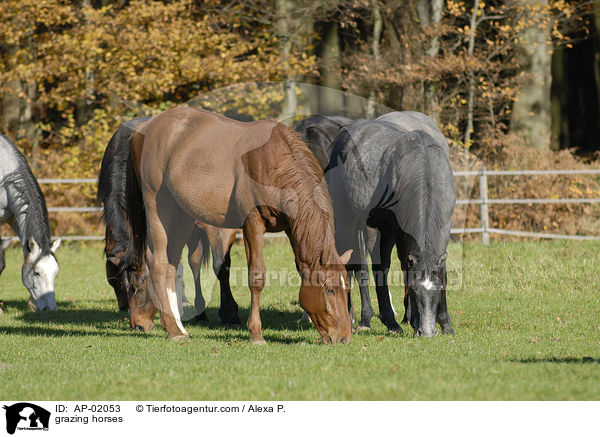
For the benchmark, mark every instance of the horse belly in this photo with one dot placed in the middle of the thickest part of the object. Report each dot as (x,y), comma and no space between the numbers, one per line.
(205,191)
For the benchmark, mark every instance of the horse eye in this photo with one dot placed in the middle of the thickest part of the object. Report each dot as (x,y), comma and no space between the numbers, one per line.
(36,274)
(330,291)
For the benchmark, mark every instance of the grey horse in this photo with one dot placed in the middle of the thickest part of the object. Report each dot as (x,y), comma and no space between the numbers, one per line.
(393,174)
(22,205)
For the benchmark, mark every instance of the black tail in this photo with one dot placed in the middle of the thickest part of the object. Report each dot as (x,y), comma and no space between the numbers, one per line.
(136,212)
(205,247)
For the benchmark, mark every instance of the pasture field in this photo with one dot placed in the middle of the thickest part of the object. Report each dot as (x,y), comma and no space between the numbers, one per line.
(527,321)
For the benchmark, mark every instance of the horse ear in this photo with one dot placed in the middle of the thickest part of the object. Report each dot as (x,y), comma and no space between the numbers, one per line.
(411,260)
(345,257)
(113,259)
(56,245)
(443,258)
(33,247)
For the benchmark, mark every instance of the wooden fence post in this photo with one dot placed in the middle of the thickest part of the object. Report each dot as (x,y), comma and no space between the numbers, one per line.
(485,218)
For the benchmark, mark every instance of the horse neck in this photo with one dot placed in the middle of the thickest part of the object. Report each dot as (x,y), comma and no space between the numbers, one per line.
(309,244)
(23,209)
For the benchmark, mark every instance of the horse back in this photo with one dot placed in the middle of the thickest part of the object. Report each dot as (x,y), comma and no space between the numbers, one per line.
(10,158)
(200,157)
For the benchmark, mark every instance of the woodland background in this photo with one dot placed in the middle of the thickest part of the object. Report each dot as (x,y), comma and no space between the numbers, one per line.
(514,82)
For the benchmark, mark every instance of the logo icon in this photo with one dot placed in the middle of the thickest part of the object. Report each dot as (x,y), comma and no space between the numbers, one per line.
(26,416)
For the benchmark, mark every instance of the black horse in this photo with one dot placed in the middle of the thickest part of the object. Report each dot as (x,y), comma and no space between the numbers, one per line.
(111,194)
(393,174)
(318,132)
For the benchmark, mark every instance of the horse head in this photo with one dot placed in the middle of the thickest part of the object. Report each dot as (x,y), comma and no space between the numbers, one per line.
(38,274)
(324,296)
(425,281)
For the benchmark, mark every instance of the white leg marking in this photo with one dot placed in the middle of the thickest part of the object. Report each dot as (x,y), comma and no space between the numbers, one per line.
(392,305)
(175,310)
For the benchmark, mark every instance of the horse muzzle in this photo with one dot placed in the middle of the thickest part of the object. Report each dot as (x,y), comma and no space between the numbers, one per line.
(328,339)
(426,331)
(46,302)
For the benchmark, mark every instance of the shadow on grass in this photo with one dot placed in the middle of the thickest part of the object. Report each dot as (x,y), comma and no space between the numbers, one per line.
(65,321)
(567,360)
(271,319)
(55,331)
(113,323)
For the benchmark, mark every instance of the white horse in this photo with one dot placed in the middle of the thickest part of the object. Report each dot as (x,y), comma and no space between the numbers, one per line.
(22,205)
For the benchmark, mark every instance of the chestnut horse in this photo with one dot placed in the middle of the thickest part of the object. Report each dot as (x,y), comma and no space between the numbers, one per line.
(111,194)
(189,165)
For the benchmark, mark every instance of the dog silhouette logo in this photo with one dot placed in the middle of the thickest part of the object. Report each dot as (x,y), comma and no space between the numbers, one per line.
(26,416)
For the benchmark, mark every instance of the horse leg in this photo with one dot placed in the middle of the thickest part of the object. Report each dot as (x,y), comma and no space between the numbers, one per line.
(168,231)
(443,317)
(381,266)
(362,278)
(180,287)
(221,241)
(195,255)
(407,312)
(254,229)
(349,272)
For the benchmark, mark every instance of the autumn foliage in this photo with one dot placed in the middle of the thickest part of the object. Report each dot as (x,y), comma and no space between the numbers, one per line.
(72,71)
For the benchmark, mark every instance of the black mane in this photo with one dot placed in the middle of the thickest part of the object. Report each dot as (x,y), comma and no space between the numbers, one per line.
(111,187)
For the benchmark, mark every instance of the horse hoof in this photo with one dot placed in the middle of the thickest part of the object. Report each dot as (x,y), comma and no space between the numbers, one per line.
(200,319)
(230,319)
(393,326)
(398,330)
(234,322)
(448,330)
(258,340)
(179,337)
(361,328)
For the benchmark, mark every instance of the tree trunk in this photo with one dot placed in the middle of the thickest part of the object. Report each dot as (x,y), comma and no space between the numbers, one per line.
(559,89)
(430,15)
(284,31)
(377,24)
(330,98)
(471,75)
(531,119)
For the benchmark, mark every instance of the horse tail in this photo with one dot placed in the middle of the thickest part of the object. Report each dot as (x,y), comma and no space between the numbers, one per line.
(205,244)
(136,212)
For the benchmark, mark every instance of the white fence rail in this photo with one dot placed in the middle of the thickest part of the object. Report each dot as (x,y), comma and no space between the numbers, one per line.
(484,201)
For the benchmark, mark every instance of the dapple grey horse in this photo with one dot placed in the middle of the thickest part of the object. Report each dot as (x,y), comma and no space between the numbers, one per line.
(393,174)
(22,205)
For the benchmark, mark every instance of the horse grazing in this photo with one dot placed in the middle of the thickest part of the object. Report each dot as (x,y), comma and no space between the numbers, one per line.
(22,205)
(188,165)
(111,194)
(393,174)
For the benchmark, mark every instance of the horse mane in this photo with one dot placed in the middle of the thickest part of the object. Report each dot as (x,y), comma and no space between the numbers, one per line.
(306,197)
(32,200)
(420,214)
(111,187)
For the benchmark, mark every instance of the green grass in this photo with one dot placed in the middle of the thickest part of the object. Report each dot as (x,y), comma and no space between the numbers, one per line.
(527,320)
